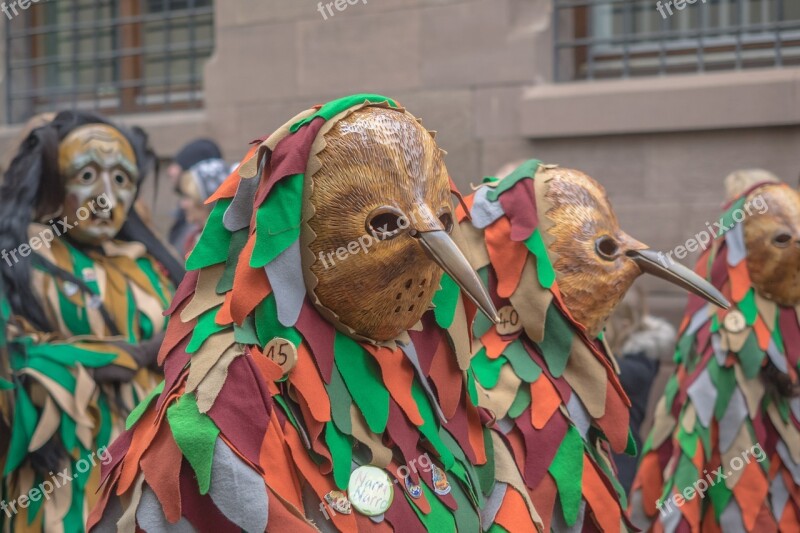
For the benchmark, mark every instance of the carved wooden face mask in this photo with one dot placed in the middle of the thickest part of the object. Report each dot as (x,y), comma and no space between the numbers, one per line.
(772,238)
(595,261)
(381,220)
(101,181)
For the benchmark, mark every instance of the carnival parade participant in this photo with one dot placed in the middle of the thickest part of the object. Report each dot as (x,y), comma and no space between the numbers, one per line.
(83,286)
(724,451)
(547,243)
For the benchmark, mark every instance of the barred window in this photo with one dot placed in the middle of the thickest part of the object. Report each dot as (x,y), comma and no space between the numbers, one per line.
(115,56)
(596,39)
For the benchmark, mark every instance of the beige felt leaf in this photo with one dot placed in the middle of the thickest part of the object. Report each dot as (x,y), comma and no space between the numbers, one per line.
(62,397)
(381,455)
(208,389)
(587,377)
(788,432)
(499,399)
(47,426)
(664,423)
(506,472)
(470,240)
(531,301)
(459,335)
(205,295)
(741,444)
(768,310)
(736,341)
(752,389)
(208,355)
(127,522)
(689,418)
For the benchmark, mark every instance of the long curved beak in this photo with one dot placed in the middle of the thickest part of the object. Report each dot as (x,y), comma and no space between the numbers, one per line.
(441,248)
(657,264)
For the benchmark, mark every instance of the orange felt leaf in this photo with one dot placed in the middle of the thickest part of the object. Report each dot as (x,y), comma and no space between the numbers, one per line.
(739,280)
(306,379)
(604,505)
(475,433)
(544,499)
(763,334)
(278,472)
(710,521)
(507,256)
(398,375)
(651,479)
(161,464)
(447,377)
(493,343)
(513,513)
(790,519)
(461,213)
(250,285)
(223,316)
(143,434)
(544,401)
(750,492)
(614,421)
(320,484)
(518,450)
(281,518)
(231,183)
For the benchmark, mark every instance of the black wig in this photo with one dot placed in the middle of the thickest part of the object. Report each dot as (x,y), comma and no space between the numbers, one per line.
(34,188)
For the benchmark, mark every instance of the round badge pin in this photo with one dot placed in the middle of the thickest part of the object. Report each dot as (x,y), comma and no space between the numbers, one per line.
(370,490)
(338,501)
(509,321)
(283,353)
(70,289)
(440,484)
(734,321)
(415,491)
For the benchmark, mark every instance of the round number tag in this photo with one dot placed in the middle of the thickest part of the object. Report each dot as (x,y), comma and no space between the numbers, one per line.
(509,321)
(283,353)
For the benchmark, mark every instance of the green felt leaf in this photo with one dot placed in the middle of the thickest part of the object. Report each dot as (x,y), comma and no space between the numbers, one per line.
(521,402)
(6,385)
(777,336)
(671,390)
(69,355)
(567,471)
(288,412)
(430,426)
(334,107)
(751,356)
(238,242)
(748,307)
(55,371)
(205,328)
(487,370)
(720,495)
(69,438)
(341,454)
(525,170)
(362,376)
(24,424)
(630,448)
(485,472)
(445,301)
(196,435)
(139,410)
(524,367)
(557,342)
(715,325)
(684,349)
(685,473)
(481,324)
(246,333)
(724,380)
(466,516)
(340,402)
(727,218)
(439,518)
(278,220)
(212,247)
(687,441)
(268,326)
(544,269)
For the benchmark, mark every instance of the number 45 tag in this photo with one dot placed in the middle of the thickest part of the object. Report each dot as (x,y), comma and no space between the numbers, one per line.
(283,353)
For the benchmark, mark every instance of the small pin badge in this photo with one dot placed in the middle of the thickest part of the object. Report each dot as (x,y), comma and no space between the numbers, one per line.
(415,491)
(734,321)
(370,490)
(440,484)
(338,501)
(88,274)
(70,289)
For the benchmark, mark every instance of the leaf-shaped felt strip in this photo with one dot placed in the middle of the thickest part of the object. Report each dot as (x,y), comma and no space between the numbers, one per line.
(341,449)
(24,424)
(445,301)
(340,399)
(487,370)
(363,379)
(278,220)
(196,436)
(137,412)
(439,518)
(740,283)
(524,367)
(306,379)
(212,247)
(161,466)
(519,204)
(545,401)
(751,356)
(238,242)
(567,471)
(334,107)
(430,427)
(205,328)
(268,326)
(557,342)
(544,268)
(507,256)
(604,504)
(525,170)
(229,186)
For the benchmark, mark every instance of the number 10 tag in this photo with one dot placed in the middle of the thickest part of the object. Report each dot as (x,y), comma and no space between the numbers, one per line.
(283,353)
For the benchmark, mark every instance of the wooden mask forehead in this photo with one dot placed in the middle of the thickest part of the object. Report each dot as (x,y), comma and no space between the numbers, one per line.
(100,144)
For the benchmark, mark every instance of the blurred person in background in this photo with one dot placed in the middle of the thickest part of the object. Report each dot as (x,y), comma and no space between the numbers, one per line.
(643,345)
(194,187)
(84,283)
(187,157)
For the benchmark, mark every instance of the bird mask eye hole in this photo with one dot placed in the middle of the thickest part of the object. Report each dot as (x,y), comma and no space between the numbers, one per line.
(607,248)
(447,221)
(782,240)
(386,223)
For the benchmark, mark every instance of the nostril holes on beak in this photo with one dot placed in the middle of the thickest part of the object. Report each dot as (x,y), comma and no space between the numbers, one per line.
(607,248)
(409,282)
(783,240)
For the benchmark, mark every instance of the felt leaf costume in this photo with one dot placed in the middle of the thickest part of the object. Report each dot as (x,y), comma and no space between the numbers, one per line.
(289,370)
(100,302)
(727,430)
(548,245)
